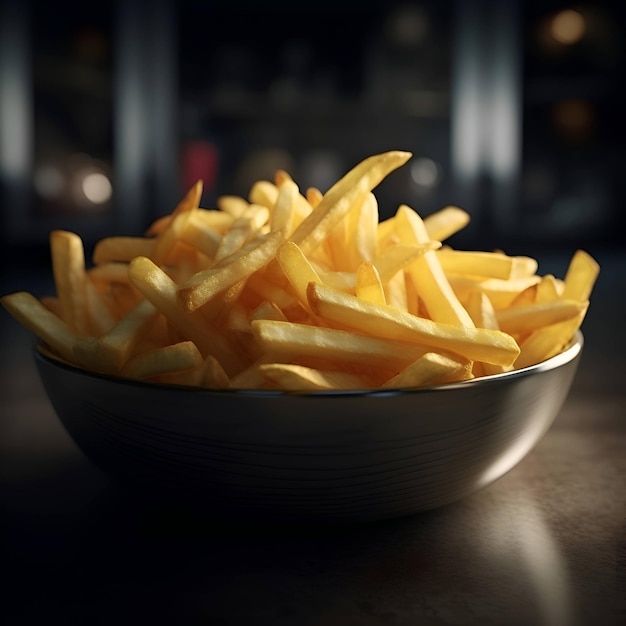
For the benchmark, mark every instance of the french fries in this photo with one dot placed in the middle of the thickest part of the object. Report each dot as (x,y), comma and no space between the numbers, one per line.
(302,291)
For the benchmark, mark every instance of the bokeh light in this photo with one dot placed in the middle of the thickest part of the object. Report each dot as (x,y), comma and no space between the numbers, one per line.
(568,27)
(97,188)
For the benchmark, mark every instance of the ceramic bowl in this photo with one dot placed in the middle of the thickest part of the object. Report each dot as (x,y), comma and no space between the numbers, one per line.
(315,457)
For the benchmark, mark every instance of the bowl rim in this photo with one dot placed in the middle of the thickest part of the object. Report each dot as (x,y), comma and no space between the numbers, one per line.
(573,349)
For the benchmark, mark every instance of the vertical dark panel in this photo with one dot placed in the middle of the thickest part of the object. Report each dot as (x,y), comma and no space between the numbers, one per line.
(146,129)
(16,117)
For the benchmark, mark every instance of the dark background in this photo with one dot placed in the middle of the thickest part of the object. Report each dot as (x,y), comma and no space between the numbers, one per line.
(508,117)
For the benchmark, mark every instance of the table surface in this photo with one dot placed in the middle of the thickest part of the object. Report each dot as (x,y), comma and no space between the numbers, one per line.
(543,545)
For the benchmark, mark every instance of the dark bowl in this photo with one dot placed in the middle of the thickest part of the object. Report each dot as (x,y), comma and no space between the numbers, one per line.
(315,457)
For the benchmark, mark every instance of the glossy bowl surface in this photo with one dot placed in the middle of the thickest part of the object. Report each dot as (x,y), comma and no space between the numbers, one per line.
(314,457)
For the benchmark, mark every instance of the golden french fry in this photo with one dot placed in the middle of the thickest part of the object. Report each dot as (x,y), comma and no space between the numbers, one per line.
(204,285)
(445,222)
(548,289)
(383,321)
(431,282)
(68,267)
(213,375)
(292,341)
(169,236)
(314,196)
(267,311)
(486,264)
(525,319)
(263,192)
(177,357)
(301,378)
(580,276)
(523,267)
(502,293)
(432,368)
(282,217)
(484,316)
(33,315)
(297,269)
(190,201)
(395,258)
(369,286)
(343,195)
(121,249)
(110,272)
(99,318)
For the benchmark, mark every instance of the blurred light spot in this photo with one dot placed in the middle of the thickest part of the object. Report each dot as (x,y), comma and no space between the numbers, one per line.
(48,181)
(97,188)
(425,172)
(407,26)
(574,117)
(568,27)
(200,161)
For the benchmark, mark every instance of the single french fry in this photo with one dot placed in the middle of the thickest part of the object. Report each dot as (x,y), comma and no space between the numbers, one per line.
(369,286)
(293,341)
(68,267)
(174,358)
(395,258)
(300,378)
(204,285)
(213,375)
(110,272)
(396,292)
(476,263)
(99,318)
(283,212)
(484,316)
(190,201)
(431,282)
(580,276)
(267,311)
(314,196)
(525,319)
(383,321)
(445,222)
(48,327)
(431,368)
(343,195)
(297,269)
(263,192)
(523,267)
(548,289)
(121,248)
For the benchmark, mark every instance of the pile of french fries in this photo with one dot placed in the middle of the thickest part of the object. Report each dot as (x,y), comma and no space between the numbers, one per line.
(302,292)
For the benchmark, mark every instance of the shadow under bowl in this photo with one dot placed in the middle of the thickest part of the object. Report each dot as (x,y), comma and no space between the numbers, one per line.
(331,457)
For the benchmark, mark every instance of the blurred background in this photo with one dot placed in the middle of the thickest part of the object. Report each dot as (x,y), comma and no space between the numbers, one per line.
(110,111)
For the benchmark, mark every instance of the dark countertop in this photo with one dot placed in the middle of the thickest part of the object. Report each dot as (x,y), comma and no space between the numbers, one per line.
(545,545)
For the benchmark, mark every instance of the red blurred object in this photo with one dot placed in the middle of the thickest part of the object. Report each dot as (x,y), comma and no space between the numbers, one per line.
(200,160)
